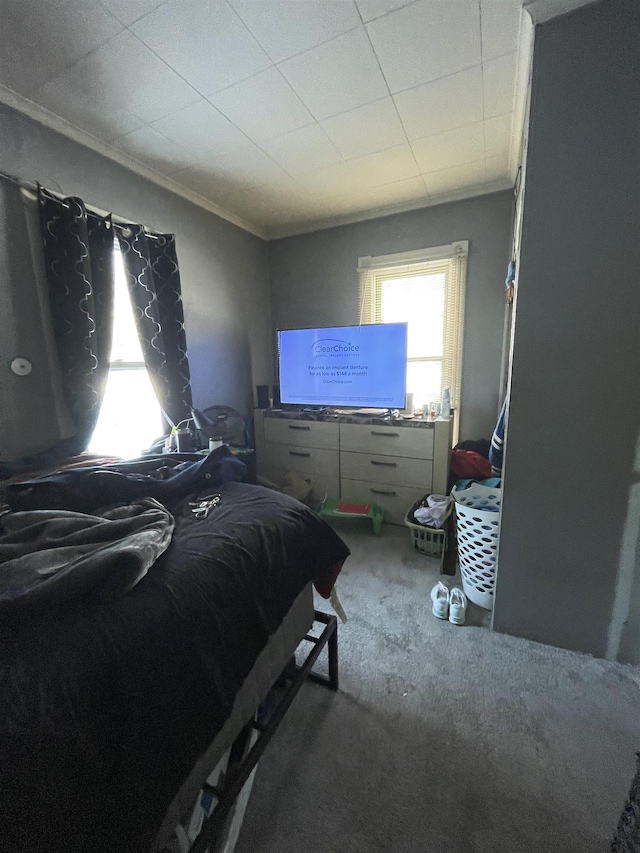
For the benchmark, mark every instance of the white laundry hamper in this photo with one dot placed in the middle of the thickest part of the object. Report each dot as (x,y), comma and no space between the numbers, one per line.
(478,529)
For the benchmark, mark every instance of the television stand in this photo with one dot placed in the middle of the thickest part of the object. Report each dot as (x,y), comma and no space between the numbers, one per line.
(357,459)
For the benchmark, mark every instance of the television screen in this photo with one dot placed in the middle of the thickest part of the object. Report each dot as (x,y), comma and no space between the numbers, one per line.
(359,366)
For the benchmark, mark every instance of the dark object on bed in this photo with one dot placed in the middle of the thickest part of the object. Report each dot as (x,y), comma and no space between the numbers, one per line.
(51,559)
(167,478)
(105,711)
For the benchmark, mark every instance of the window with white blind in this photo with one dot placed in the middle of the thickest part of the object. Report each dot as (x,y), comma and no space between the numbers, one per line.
(426,290)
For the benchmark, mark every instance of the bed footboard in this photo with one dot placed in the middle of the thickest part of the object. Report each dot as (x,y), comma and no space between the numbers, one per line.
(254,738)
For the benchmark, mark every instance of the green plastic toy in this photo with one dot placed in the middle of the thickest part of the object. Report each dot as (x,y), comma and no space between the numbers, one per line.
(329,509)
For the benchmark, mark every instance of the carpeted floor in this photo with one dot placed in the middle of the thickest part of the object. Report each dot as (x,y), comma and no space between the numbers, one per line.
(443,738)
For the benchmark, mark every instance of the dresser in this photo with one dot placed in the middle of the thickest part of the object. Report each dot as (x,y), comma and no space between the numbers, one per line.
(393,463)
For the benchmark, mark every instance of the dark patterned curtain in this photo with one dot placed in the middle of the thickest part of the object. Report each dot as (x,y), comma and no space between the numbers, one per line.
(153,277)
(79,259)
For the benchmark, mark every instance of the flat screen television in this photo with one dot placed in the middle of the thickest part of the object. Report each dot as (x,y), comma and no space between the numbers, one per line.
(344,366)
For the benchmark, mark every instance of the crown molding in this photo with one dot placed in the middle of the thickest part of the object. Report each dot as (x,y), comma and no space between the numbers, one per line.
(59,125)
(378,212)
(523,78)
(544,10)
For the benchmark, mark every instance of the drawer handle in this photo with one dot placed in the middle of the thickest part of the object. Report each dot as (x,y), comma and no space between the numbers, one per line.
(386,434)
(298,453)
(387,464)
(295,426)
(382,492)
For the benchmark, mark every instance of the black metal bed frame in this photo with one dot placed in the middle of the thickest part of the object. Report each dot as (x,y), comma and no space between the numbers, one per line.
(241,762)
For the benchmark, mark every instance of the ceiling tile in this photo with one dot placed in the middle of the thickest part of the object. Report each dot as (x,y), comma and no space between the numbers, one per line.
(337,76)
(499,83)
(203,130)
(252,168)
(129,11)
(205,182)
(22,69)
(303,150)
(497,135)
(500,23)
(265,106)
(394,164)
(426,40)
(370,9)
(443,105)
(338,179)
(384,167)
(106,120)
(257,215)
(497,168)
(453,148)
(154,149)
(39,40)
(365,130)
(205,41)
(329,208)
(398,192)
(455,180)
(287,197)
(150,90)
(264,208)
(338,202)
(307,24)
(82,113)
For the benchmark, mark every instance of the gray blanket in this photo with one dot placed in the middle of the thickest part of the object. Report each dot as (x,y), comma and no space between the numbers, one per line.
(51,557)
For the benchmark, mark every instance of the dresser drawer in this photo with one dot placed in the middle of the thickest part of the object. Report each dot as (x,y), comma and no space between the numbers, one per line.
(416,443)
(321,466)
(398,470)
(396,500)
(301,433)
(308,460)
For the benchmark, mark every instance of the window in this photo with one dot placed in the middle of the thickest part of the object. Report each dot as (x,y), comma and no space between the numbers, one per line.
(426,290)
(130,417)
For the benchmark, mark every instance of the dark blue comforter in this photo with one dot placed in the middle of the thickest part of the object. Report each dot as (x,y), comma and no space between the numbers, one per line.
(105,708)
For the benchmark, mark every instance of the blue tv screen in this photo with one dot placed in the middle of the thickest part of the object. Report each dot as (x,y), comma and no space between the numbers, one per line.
(344,366)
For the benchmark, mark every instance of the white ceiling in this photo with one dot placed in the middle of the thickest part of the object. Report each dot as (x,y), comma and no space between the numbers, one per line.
(281,114)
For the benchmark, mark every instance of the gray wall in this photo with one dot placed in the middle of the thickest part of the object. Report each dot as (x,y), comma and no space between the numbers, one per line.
(574,405)
(314,282)
(223,268)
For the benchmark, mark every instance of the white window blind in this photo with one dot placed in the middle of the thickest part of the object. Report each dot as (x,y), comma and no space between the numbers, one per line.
(425,289)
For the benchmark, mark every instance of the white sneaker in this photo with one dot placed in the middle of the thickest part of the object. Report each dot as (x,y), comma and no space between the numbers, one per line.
(457,606)
(440,599)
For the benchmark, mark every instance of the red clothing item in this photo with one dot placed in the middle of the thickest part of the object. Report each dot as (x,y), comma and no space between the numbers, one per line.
(325,584)
(467,464)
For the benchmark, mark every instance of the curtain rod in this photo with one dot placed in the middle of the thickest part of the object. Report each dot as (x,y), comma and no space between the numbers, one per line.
(34,186)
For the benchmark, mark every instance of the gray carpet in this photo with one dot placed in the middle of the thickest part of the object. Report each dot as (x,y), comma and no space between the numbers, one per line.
(443,738)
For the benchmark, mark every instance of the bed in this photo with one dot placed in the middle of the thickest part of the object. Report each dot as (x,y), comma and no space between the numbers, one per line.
(115,712)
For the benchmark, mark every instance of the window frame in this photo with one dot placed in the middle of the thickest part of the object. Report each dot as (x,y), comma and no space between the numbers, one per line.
(451,260)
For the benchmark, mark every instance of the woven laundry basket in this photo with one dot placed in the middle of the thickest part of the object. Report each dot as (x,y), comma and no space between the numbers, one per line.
(478,528)
(431,541)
